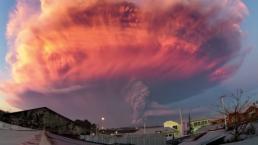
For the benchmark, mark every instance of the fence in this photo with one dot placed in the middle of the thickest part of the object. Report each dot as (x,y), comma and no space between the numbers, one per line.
(135,139)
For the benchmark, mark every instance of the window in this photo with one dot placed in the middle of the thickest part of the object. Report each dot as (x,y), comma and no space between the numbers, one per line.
(175,127)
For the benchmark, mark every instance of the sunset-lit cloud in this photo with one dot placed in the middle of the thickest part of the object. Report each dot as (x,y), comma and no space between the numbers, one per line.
(128,52)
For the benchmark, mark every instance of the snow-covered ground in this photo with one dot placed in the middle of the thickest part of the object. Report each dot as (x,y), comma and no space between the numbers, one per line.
(249,141)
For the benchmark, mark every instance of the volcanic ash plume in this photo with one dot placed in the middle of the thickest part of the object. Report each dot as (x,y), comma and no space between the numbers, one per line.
(137,97)
(59,44)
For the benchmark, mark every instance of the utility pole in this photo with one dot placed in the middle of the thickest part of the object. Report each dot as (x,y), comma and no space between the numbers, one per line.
(190,129)
(223,107)
(182,123)
(144,128)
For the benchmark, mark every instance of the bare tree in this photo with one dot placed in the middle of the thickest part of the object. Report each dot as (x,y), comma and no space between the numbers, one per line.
(233,108)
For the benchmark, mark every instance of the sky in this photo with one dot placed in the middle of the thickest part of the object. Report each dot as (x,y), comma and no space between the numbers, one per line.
(5,7)
(143,62)
(5,10)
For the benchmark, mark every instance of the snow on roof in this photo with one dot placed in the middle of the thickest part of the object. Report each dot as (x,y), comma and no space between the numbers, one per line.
(33,137)
(249,141)
(59,140)
(209,136)
(17,137)
(6,126)
(210,128)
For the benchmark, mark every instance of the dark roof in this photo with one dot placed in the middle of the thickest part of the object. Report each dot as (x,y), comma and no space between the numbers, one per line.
(149,127)
(39,109)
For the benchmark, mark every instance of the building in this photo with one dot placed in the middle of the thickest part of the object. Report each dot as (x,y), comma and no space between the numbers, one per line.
(1,114)
(197,124)
(249,115)
(180,130)
(171,124)
(220,121)
(172,129)
(149,130)
(252,113)
(44,118)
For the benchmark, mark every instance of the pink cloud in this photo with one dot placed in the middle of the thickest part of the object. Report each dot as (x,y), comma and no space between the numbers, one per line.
(79,49)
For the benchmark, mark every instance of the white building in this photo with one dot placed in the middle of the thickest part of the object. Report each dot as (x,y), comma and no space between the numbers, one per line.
(172,129)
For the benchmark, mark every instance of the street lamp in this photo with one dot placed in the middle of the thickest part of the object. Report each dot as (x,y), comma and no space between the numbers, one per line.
(102,122)
(102,128)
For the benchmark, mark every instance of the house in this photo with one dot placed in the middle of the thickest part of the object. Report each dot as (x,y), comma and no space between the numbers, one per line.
(220,121)
(171,124)
(249,115)
(232,118)
(197,124)
(172,129)
(252,113)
